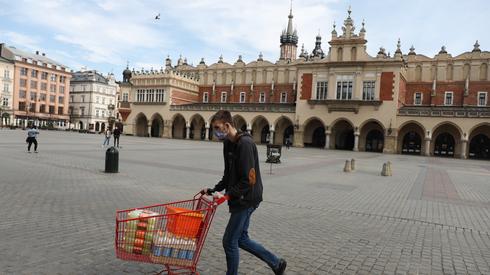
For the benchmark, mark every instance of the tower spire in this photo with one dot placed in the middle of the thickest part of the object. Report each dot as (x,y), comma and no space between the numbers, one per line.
(289,39)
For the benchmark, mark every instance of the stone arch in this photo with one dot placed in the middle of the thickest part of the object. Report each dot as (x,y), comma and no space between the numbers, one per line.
(179,126)
(446,140)
(314,133)
(371,136)
(260,129)
(198,127)
(156,125)
(283,130)
(411,135)
(240,123)
(342,134)
(479,141)
(141,125)
(80,125)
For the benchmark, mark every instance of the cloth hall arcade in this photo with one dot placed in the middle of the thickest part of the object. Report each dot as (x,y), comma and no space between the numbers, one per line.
(339,98)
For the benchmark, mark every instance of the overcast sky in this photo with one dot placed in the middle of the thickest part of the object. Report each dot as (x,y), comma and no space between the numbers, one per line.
(105,34)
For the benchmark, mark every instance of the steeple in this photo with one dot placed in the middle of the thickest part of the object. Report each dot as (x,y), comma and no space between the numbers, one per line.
(318,52)
(289,39)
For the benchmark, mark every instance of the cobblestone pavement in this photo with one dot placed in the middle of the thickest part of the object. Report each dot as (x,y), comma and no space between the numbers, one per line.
(57,208)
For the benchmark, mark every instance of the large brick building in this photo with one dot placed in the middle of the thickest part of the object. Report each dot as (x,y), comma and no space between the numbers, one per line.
(339,99)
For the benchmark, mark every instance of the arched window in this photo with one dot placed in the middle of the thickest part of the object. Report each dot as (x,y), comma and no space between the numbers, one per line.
(483,71)
(340,54)
(353,54)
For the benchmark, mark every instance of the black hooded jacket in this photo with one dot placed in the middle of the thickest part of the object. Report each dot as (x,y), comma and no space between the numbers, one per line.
(241,179)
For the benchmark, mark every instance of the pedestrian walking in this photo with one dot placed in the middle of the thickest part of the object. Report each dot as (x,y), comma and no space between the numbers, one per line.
(107,137)
(116,134)
(32,134)
(288,143)
(243,187)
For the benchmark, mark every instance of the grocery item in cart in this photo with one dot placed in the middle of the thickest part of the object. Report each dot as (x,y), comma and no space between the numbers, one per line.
(138,234)
(171,249)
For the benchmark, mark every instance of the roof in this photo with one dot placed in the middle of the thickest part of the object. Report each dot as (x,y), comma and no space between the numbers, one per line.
(5,60)
(33,56)
(89,76)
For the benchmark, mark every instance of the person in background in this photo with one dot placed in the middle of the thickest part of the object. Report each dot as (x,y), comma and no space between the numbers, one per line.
(243,185)
(117,134)
(32,133)
(107,137)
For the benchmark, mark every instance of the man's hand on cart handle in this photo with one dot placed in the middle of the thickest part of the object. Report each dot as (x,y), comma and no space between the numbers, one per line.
(219,198)
(207,191)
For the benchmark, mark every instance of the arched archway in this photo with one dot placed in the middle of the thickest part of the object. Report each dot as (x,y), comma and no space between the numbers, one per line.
(314,133)
(371,137)
(260,130)
(479,142)
(97,127)
(240,123)
(141,125)
(446,140)
(198,128)
(178,127)
(80,125)
(156,126)
(410,138)
(283,130)
(343,135)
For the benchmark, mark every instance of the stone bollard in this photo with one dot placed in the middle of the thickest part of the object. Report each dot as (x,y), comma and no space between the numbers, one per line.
(383,171)
(353,164)
(388,169)
(347,167)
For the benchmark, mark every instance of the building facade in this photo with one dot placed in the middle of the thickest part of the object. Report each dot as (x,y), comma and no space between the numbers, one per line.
(342,98)
(6,91)
(40,89)
(92,100)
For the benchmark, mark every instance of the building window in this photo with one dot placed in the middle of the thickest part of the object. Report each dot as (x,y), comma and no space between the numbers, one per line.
(97,99)
(344,88)
(22,106)
(6,74)
(42,108)
(44,86)
(62,89)
(224,97)
(262,97)
(482,98)
(284,97)
(61,99)
(417,99)
(321,90)
(140,95)
(33,96)
(33,84)
(32,107)
(44,76)
(5,102)
(60,110)
(368,90)
(53,77)
(448,98)
(62,79)
(52,98)
(83,98)
(6,87)
(96,112)
(51,109)
(242,97)
(160,95)
(22,94)
(205,97)
(150,95)
(34,73)
(125,97)
(52,88)
(23,71)
(22,82)
(71,98)
(42,97)
(103,100)
(82,111)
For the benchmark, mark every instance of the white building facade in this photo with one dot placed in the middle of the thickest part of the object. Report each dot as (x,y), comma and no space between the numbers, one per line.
(6,91)
(92,100)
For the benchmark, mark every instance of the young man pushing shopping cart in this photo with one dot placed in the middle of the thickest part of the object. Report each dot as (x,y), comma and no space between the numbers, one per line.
(243,188)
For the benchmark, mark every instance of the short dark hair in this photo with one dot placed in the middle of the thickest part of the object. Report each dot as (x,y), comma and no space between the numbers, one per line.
(223,116)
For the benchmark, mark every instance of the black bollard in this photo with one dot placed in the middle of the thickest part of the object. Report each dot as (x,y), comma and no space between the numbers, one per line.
(111,160)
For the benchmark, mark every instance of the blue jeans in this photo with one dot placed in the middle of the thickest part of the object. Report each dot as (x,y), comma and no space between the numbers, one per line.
(236,235)
(107,140)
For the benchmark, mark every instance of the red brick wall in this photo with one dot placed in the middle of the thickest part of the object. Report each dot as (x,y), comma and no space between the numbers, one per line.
(306,86)
(250,98)
(181,97)
(456,87)
(402,92)
(386,89)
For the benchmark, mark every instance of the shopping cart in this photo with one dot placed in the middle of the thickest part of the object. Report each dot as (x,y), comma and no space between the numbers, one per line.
(171,234)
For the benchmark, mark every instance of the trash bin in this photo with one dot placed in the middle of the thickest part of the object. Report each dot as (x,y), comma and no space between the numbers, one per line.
(111,160)
(273,153)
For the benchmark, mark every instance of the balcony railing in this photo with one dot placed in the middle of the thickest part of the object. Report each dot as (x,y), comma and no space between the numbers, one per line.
(350,105)
(238,107)
(447,111)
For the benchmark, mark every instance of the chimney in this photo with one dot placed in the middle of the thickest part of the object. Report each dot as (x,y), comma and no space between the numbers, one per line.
(37,52)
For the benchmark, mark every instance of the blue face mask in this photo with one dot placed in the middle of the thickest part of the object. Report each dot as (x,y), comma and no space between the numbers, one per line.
(220,135)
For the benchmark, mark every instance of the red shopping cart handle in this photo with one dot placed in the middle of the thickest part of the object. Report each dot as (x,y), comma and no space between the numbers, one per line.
(221,200)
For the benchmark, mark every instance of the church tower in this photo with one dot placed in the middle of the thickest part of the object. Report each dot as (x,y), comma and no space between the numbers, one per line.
(289,40)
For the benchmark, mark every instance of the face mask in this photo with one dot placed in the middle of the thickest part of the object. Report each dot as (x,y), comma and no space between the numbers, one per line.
(220,135)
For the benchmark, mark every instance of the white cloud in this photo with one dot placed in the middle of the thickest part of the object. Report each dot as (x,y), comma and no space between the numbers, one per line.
(25,41)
